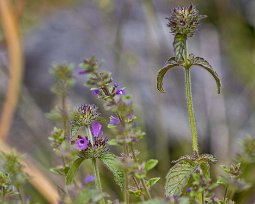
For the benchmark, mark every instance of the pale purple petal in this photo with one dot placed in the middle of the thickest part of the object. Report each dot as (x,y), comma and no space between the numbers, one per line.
(96,128)
(89,179)
(114,120)
(82,143)
(120,92)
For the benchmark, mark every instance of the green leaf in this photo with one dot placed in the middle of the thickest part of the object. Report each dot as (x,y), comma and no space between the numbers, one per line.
(170,64)
(206,169)
(152,181)
(74,130)
(179,46)
(113,142)
(150,164)
(178,177)
(204,64)
(60,170)
(73,169)
(112,163)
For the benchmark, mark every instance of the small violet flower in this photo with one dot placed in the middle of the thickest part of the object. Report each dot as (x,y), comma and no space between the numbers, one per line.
(96,128)
(114,120)
(120,92)
(115,85)
(81,143)
(81,72)
(188,190)
(212,198)
(89,179)
(95,92)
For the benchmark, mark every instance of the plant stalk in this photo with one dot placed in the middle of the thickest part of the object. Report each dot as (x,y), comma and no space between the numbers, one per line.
(95,167)
(190,103)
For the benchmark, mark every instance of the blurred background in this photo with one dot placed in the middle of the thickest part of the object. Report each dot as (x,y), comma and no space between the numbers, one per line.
(132,40)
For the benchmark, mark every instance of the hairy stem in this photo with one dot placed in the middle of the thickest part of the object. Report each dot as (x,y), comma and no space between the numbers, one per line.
(190,109)
(95,167)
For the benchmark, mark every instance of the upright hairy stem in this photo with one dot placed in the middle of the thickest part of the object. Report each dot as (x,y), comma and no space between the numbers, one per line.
(190,109)
(95,167)
(189,101)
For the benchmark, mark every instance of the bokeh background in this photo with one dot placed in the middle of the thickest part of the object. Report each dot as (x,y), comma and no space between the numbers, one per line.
(132,40)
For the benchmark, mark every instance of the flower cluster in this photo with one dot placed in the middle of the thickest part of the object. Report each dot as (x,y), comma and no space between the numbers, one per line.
(184,20)
(85,115)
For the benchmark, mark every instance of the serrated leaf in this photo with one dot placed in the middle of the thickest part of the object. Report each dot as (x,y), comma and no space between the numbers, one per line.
(204,64)
(178,177)
(73,170)
(112,163)
(152,181)
(179,45)
(150,164)
(60,170)
(170,64)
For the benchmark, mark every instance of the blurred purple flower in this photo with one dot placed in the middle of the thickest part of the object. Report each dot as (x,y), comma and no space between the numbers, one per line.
(81,143)
(95,92)
(115,85)
(134,139)
(81,72)
(120,92)
(96,128)
(188,190)
(114,120)
(89,179)
(212,198)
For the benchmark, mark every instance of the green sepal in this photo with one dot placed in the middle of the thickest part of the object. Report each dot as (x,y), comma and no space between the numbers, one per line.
(170,64)
(178,177)
(112,163)
(198,61)
(73,170)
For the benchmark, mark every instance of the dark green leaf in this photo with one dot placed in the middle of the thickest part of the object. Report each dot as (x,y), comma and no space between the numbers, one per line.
(204,64)
(73,169)
(152,181)
(150,164)
(178,177)
(170,64)
(113,164)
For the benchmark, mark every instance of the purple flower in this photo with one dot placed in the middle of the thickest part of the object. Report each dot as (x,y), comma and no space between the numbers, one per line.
(96,128)
(188,190)
(81,143)
(95,92)
(114,120)
(81,72)
(212,198)
(134,139)
(120,92)
(89,179)
(115,85)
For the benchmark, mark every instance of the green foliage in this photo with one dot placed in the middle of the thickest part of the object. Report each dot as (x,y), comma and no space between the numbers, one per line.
(198,61)
(113,164)
(152,181)
(60,170)
(73,170)
(172,62)
(89,196)
(178,177)
(179,46)
(150,164)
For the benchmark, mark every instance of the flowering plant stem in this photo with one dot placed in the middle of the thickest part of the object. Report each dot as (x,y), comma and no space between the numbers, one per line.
(95,167)
(190,103)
